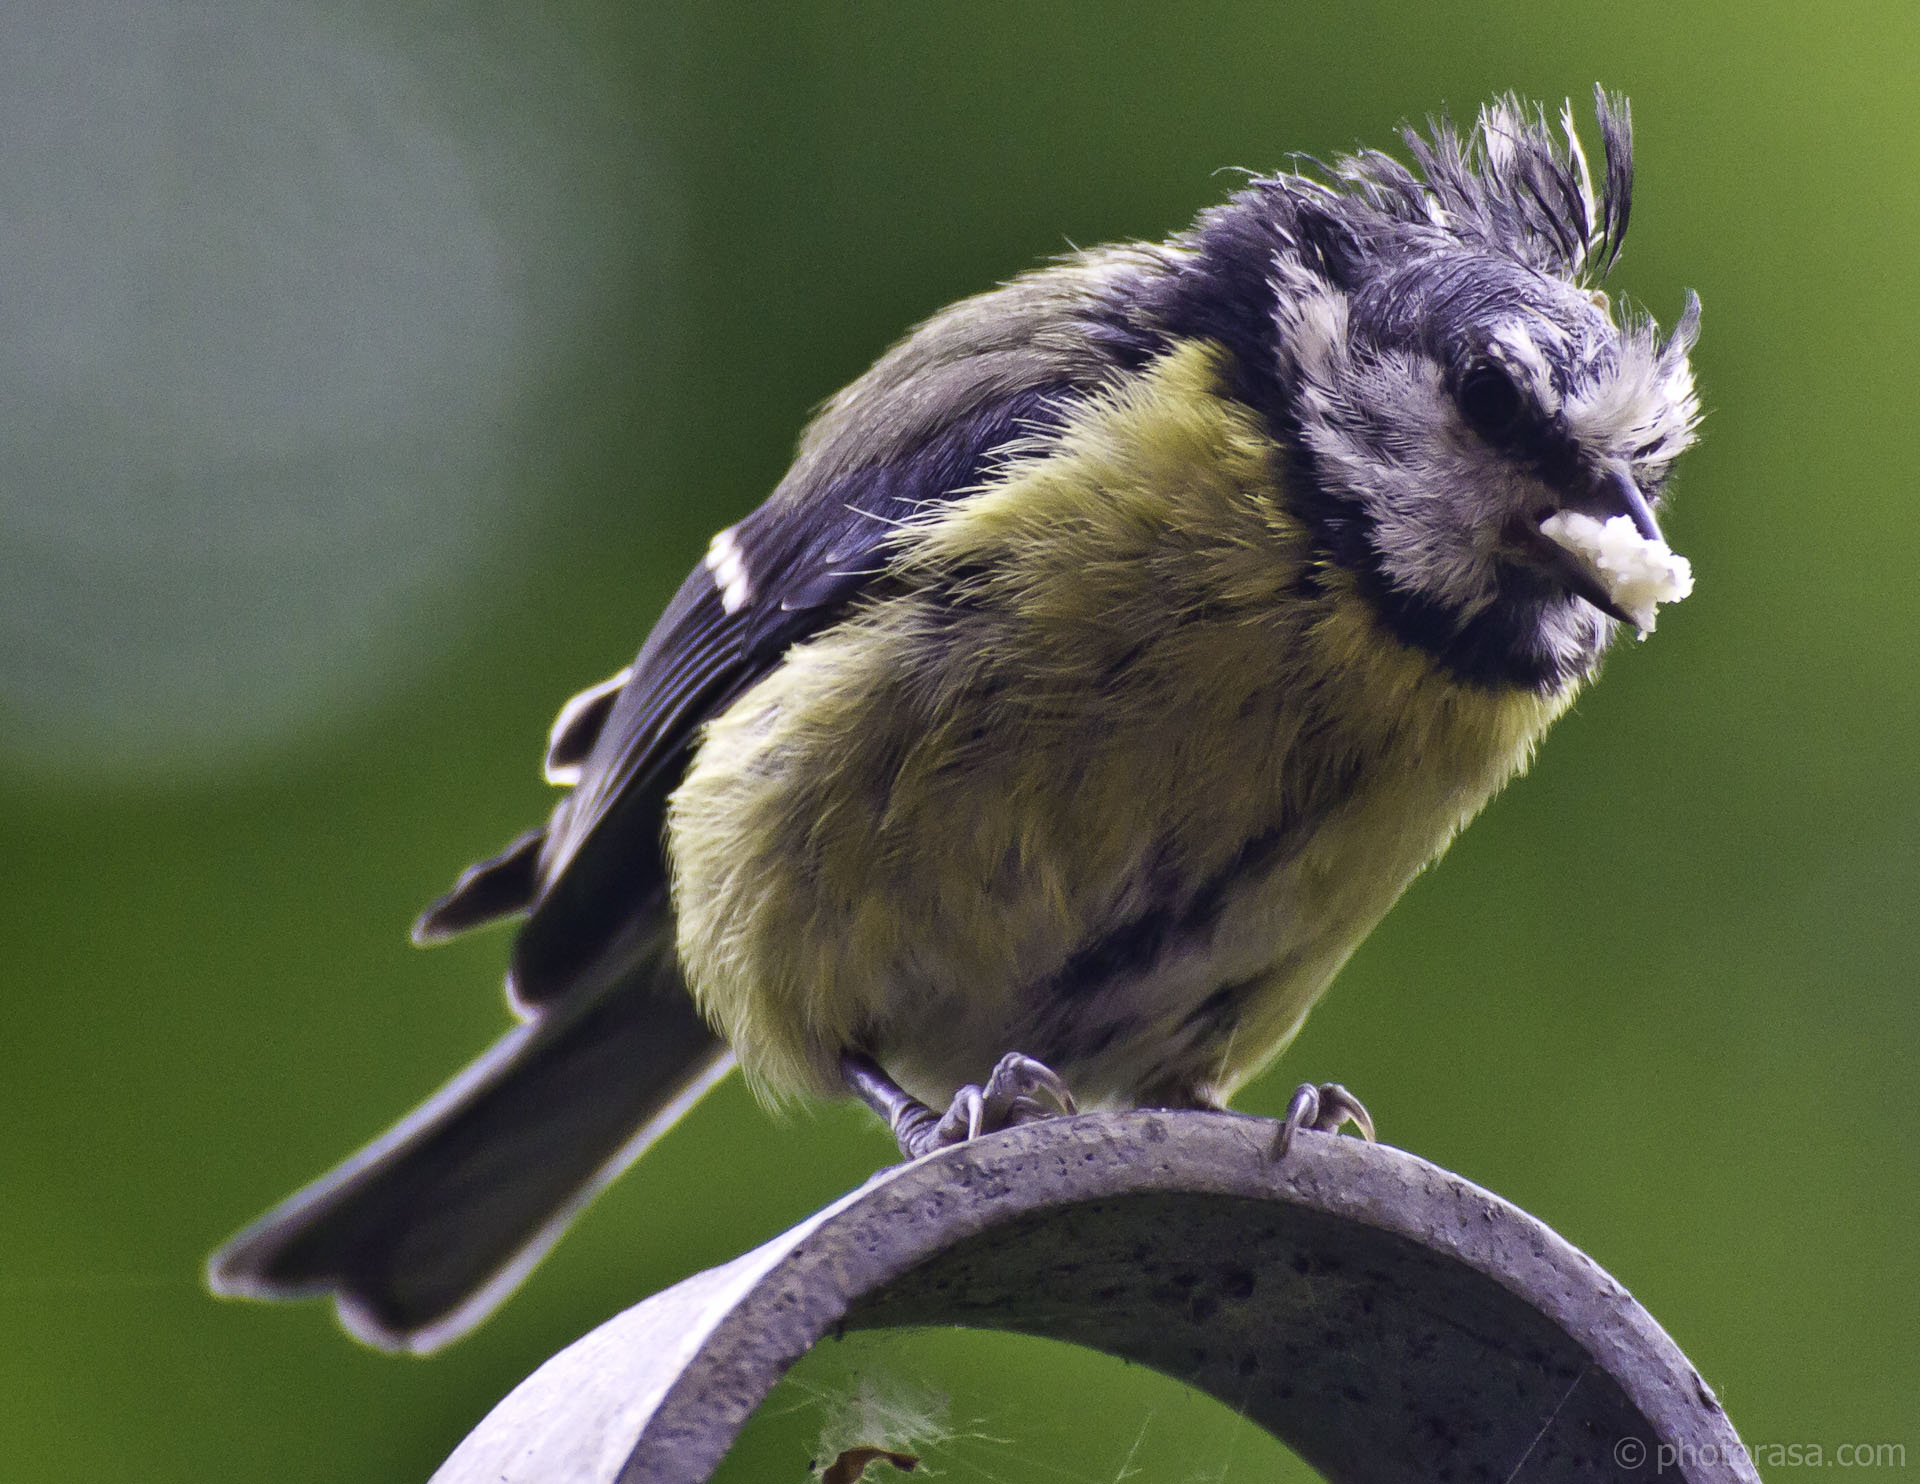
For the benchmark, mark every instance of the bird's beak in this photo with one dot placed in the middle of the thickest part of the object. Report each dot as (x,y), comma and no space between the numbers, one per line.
(1614,493)
(1573,573)
(1621,496)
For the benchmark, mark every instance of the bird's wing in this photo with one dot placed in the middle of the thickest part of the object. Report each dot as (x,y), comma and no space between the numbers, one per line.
(927,423)
(783,573)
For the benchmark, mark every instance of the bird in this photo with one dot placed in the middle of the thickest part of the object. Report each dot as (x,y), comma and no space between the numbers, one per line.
(1112,655)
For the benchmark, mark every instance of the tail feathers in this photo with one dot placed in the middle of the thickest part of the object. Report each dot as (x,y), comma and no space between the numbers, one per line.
(493,889)
(510,883)
(578,726)
(424,1232)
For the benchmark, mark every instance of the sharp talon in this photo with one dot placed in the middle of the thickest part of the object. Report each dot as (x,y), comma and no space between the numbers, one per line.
(1303,1108)
(1020,1090)
(1324,1109)
(1012,1096)
(1338,1106)
(963,1120)
(1010,1091)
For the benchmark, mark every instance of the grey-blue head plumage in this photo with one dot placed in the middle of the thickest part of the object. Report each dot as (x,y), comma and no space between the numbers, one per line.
(1437,353)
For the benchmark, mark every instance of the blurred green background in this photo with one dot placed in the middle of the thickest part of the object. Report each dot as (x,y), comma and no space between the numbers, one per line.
(372,376)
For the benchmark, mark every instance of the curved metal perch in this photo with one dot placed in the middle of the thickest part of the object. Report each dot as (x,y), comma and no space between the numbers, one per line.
(1387,1320)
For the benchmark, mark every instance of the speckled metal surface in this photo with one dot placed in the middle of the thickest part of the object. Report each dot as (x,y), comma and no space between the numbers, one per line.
(1386,1319)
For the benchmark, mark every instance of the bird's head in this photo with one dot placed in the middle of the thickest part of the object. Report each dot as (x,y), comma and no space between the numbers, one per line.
(1449,375)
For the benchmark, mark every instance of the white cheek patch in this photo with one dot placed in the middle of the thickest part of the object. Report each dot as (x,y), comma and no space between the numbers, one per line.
(728,564)
(1386,432)
(1389,433)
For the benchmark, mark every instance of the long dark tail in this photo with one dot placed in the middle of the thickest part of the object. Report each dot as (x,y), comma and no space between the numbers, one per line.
(424,1231)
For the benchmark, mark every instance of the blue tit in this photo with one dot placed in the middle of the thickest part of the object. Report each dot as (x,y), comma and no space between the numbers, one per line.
(1111,657)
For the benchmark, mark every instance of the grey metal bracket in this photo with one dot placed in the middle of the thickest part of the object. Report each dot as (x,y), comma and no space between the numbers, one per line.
(1387,1320)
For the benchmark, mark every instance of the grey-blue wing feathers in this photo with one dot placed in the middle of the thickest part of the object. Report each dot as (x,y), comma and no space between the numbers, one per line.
(925,424)
(797,566)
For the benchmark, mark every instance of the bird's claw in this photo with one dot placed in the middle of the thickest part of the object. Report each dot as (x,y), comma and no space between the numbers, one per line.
(1019,1090)
(1323,1109)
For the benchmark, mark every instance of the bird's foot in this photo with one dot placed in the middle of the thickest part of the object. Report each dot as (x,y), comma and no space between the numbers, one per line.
(1324,1109)
(1016,1092)
(1019,1090)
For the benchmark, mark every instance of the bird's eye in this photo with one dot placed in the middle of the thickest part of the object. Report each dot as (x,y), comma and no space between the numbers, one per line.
(1490,402)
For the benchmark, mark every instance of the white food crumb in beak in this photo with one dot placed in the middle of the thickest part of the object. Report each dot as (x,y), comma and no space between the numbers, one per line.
(1638,574)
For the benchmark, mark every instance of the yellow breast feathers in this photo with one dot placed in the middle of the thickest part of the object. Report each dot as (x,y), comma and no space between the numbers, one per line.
(1108,733)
